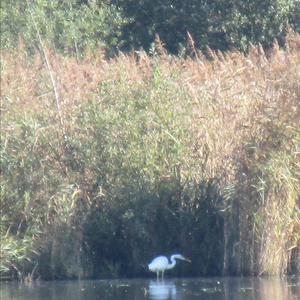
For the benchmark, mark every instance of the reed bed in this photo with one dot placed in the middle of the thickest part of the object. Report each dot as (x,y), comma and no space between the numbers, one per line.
(141,142)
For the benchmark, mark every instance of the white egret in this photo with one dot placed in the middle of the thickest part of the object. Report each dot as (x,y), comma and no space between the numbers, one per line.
(161,263)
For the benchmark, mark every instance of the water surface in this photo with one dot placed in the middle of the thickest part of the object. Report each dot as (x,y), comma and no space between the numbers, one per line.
(169,289)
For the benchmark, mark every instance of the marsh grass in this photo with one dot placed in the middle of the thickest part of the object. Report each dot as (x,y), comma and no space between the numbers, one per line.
(205,149)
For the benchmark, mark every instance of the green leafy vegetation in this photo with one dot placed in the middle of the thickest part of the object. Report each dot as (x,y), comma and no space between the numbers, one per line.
(218,24)
(73,26)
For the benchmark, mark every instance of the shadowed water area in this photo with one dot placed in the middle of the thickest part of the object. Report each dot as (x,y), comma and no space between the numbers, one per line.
(169,289)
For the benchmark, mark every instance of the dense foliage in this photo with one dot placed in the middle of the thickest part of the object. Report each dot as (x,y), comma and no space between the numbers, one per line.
(74,25)
(220,24)
(71,25)
(147,155)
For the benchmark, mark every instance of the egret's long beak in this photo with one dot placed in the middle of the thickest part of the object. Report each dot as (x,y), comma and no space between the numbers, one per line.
(188,260)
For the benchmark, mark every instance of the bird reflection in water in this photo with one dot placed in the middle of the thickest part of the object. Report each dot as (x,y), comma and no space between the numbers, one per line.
(162,290)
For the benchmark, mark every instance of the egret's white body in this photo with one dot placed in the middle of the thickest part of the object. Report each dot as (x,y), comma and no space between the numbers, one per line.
(161,263)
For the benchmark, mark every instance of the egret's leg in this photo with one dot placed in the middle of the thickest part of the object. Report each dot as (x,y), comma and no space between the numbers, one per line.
(162,275)
(157,275)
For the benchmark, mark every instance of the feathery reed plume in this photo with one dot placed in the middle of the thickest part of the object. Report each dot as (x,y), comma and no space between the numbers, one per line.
(159,46)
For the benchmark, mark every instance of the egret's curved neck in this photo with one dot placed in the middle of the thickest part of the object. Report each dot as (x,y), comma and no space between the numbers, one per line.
(173,262)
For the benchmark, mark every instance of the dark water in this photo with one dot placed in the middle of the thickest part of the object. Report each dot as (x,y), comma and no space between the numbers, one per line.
(169,289)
